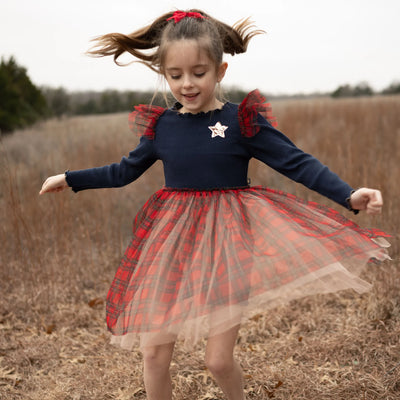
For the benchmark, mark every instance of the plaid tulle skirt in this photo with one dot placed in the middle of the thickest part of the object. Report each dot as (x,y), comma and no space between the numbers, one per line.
(201,262)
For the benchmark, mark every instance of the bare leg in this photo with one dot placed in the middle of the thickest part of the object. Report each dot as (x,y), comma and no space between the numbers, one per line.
(219,360)
(157,379)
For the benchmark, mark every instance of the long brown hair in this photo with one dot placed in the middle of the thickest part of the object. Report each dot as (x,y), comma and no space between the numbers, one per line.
(149,44)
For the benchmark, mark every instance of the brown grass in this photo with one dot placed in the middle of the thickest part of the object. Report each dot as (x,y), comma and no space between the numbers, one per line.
(59,253)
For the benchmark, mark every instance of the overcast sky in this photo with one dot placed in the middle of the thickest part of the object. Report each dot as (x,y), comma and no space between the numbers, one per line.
(310,45)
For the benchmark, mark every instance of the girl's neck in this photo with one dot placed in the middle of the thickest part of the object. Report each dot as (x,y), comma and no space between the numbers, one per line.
(216,106)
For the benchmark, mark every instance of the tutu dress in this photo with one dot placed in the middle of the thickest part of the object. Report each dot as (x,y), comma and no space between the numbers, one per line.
(208,251)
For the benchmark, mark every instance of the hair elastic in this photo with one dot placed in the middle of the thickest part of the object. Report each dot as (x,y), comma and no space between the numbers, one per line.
(179,15)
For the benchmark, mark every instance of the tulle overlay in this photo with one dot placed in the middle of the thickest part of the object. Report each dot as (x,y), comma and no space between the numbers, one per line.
(201,262)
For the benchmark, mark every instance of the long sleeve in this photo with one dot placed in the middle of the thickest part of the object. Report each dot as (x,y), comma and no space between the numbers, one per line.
(116,174)
(277,151)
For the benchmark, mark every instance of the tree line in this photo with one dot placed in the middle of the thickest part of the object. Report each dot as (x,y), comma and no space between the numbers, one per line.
(61,102)
(22,103)
(363,89)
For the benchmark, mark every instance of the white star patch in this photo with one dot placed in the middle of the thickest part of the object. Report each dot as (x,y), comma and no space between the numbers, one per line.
(218,130)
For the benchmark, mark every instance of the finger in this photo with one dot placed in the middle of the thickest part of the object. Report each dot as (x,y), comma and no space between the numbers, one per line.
(47,189)
(373,209)
(44,186)
(376,199)
(43,189)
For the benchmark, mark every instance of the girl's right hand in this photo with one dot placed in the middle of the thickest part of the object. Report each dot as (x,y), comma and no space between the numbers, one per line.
(367,199)
(54,184)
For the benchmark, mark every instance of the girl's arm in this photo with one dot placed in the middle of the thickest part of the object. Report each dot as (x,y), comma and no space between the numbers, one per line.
(276,150)
(54,184)
(113,175)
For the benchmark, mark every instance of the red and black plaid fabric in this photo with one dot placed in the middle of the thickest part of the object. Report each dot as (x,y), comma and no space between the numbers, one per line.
(143,119)
(202,258)
(249,108)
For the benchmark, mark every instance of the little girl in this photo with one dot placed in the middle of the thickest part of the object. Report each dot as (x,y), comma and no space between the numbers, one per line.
(208,251)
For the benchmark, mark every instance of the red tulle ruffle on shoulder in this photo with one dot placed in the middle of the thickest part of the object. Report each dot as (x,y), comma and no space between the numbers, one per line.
(143,119)
(254,104)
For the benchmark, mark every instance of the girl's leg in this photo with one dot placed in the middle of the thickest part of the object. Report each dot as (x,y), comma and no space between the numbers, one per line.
(157,379)
(220,361)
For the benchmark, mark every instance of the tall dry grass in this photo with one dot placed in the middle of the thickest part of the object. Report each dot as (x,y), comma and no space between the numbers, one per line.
(59,253)
(53,240)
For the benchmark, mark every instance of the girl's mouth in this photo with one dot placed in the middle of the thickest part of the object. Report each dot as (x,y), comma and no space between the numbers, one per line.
(190,97)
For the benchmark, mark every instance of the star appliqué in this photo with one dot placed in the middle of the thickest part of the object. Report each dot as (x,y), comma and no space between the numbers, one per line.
(218,130)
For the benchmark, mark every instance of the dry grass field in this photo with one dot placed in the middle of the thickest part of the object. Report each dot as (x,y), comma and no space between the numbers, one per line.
(58,254)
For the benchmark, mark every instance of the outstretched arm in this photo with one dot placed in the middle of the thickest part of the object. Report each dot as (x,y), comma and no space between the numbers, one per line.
(367,199)
(276,150)
(54,184)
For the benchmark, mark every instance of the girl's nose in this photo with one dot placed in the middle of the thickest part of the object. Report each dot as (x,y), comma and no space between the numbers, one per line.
(187,82)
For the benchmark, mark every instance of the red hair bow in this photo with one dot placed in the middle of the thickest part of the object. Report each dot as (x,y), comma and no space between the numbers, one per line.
(178,15)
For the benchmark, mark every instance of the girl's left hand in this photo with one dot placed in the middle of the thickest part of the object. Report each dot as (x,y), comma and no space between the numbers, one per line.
(367,199)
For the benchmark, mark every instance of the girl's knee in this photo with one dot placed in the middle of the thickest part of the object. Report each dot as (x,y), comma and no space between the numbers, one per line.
(157,357)
(219,352)
(219,365)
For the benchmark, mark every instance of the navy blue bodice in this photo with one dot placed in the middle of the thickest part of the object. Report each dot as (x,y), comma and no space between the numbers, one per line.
(209,151)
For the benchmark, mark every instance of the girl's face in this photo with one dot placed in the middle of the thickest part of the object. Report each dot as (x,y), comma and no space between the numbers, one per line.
(192,76)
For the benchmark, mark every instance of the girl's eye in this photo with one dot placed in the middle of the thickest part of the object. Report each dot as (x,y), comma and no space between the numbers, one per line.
(197,75)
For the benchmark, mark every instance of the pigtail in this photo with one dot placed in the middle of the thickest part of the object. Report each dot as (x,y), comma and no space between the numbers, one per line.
(148,44)
(236,38)
(147,38)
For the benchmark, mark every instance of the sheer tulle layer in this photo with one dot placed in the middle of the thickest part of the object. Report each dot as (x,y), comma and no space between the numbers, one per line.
(201,262)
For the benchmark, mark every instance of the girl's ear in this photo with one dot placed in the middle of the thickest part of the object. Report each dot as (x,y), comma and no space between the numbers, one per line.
(221,71)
